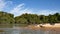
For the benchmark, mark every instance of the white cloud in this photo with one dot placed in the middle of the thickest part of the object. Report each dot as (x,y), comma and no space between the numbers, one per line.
(23,12)
(26,11)
(47,12)
(19,9)
(4,4)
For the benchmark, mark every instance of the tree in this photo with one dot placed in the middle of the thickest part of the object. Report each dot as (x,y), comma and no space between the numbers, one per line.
(6,18)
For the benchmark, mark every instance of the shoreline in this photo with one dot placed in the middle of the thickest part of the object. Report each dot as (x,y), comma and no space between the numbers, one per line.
(44,27)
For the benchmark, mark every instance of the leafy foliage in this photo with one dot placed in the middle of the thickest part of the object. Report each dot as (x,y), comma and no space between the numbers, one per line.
(7,18)
(37,19)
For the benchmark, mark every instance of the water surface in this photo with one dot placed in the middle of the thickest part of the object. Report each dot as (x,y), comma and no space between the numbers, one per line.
(12,30)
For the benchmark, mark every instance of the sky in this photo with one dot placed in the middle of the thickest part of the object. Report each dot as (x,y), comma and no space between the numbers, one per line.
(40,7)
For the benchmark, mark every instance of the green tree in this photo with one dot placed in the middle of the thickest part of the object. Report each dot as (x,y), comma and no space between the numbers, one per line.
(6,18)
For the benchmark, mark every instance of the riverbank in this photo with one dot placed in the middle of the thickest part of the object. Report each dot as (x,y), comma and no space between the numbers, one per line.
(44,27)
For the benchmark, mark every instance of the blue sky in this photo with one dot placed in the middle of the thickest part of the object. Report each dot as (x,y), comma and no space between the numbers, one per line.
(40,7)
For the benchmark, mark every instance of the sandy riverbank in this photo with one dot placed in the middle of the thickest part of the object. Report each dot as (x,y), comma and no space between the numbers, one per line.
(44,27)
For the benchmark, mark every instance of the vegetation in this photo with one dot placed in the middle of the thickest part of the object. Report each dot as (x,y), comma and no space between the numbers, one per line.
(7,18)
(37,19)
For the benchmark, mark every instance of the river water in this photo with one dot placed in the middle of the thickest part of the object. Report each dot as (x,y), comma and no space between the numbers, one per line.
(26,31)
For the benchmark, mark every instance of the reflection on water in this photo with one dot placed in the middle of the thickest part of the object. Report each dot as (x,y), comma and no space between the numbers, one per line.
(13,30)
(26,31)
(22,31)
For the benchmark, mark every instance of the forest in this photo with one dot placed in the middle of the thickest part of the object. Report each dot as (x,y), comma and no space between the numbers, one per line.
(8,18)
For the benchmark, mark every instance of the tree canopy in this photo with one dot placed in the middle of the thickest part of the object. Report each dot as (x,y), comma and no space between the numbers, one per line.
(38,19)
(7,18)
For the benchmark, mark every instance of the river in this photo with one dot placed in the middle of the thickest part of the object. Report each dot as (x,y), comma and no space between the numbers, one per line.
(27,31)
